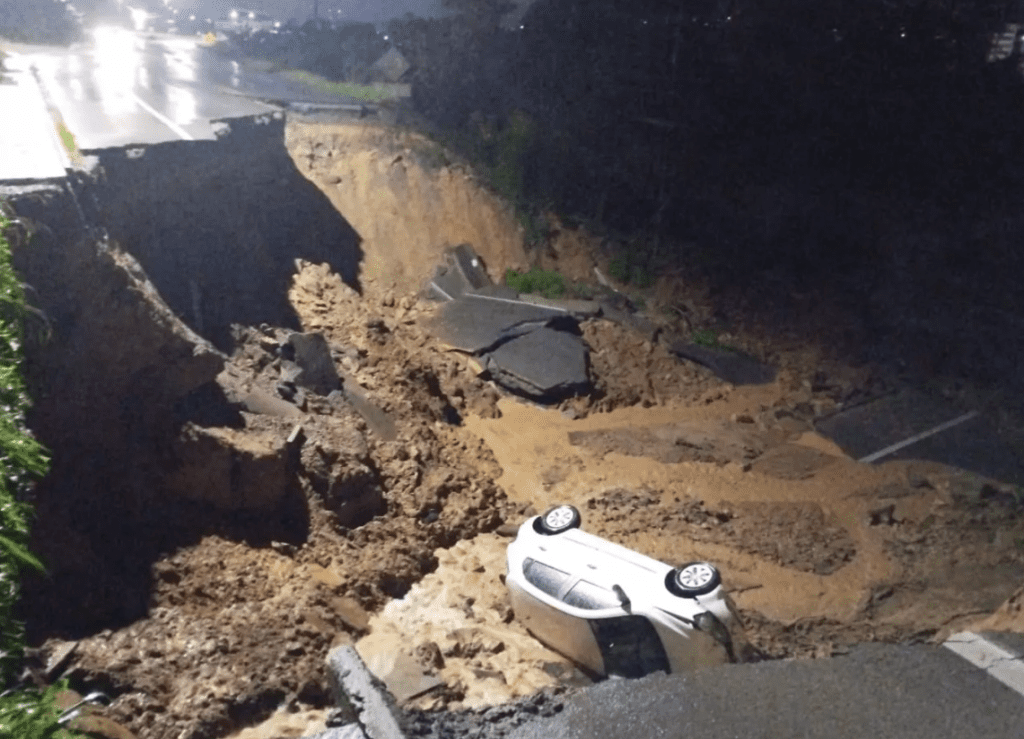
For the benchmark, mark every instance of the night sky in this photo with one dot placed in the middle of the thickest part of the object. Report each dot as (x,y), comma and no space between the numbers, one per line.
(353,10)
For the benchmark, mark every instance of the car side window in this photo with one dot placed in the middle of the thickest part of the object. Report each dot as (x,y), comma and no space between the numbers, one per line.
(543,577)
(590,596)
(630,646)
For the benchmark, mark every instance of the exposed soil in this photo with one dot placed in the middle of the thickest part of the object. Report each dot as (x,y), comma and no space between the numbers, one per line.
(407,499)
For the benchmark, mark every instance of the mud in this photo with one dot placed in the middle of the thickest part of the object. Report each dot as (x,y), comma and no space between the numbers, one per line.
(206,607)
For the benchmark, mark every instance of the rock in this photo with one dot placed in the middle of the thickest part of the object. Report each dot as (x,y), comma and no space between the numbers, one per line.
(231,469)
(341,476)
(60,655)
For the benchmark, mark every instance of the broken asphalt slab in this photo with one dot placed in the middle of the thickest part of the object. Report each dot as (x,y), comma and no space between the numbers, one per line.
(732,366)
(461,272)
(911,424)
(478,323)
(530,349)
(544,363)
(355,687)
(878,690)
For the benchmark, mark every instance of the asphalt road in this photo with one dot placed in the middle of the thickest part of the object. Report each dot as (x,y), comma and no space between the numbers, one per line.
(876,692)
(121,88)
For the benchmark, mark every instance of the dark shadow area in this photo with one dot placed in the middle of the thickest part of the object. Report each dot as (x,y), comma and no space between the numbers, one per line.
(115,377)
(99,555)
(848,173)
(218,225)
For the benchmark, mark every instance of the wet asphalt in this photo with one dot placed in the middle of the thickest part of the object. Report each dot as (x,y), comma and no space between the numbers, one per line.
(875,692)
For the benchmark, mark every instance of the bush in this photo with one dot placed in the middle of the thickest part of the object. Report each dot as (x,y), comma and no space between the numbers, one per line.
(541,282)
(22,460)
(33,715)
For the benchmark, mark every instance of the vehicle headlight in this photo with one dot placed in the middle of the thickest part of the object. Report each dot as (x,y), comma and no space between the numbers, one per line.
(709,624)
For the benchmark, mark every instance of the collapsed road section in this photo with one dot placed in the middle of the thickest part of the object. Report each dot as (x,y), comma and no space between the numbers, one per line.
(262,451)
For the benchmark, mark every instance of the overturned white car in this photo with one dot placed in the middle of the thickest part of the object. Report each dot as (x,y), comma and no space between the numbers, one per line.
(614,611)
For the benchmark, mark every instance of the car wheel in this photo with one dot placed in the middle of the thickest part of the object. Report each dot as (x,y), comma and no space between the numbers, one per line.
(558,519)
(693,579)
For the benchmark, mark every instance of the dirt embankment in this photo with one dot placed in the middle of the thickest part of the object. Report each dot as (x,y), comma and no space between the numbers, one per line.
(407,200)
(209,541)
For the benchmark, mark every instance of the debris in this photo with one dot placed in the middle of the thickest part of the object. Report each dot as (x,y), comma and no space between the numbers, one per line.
(352,683)
(58,659)
(731,365)
(307,363)
(543,364)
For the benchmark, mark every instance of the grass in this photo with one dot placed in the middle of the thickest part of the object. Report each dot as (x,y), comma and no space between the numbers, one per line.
(32,714)
(376,93)
(545,283)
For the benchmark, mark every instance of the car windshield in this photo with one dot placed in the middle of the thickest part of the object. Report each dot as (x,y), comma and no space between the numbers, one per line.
(630,646)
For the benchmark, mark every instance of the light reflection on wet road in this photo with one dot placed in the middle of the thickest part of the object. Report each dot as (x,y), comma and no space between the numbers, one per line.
(122,88)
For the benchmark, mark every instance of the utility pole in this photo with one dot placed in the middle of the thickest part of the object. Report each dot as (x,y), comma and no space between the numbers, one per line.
(316,9)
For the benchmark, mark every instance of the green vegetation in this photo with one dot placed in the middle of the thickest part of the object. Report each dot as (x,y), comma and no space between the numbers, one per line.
(625,270)
(25,714)
(541,282)
(705,337)
(33,715)
(374,93)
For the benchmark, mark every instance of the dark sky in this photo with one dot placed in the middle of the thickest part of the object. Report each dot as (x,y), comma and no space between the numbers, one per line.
(360,10)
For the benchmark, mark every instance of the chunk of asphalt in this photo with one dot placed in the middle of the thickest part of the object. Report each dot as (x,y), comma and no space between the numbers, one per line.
(469,266)
(313,367)
(462,272)
(543,364)
(580,309)
(477,323)
(353,684)
(377,419)
(732,366)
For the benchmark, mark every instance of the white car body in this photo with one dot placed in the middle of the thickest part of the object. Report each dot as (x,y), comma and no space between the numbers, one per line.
(610,609)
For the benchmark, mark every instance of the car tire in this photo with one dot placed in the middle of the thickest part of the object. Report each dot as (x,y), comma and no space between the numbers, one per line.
(693,579)
(558,520)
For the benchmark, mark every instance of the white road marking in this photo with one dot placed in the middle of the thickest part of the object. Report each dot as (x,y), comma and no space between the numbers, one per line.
(918,437)
(1004,666)
(181,132)
(514,302)
(437,287)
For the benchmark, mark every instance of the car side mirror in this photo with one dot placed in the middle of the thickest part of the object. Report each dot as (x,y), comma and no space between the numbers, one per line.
(621,595)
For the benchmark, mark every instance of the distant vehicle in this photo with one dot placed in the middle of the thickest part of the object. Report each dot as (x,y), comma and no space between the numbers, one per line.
(614,611)
(240,20)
